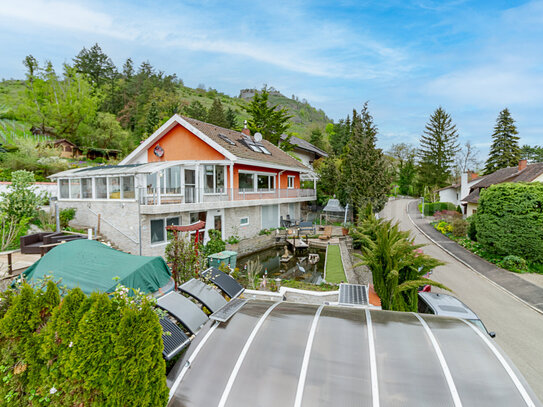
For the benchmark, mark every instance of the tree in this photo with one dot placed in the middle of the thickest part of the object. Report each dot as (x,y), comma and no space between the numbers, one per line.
(438,147)
(231,119)
(186,258)
(316,138)
(398,266)
(364,176)
(338,135)
(404,156)
(532,154)
(216,114)
(20,201)
(329,177)
(96,64)
(152,119)
(466,159)
(196,110)
(505,151)
(269,120)
(108,133)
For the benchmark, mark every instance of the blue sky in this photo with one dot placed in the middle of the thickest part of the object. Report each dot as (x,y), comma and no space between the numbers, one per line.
(405,57)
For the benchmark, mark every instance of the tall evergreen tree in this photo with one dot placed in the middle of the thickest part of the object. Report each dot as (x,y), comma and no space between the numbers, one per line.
(339,134)
(96,64)
(316,138)
(216,114)
(438,147)
(404,163)
(364,175)
(267,119)
(329,178)
(505,151)
(152,119)
(231,119)
(196,110)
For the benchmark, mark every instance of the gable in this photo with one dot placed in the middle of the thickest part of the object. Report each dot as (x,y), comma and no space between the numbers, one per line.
(180,144)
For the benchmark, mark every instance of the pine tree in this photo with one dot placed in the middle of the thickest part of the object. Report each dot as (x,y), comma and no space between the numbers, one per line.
(152,119)
(438,147)
(196,110)
(316,138)
(216,115)
(505,151)
(231,119)
(364,174)
(96,64)
(329,177)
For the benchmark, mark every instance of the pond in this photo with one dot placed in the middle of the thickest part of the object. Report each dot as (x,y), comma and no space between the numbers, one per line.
(298,268)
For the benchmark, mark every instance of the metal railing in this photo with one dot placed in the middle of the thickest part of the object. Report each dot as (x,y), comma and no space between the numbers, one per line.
(153,196)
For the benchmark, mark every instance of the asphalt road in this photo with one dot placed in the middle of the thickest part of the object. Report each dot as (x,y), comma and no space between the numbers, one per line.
(519,329)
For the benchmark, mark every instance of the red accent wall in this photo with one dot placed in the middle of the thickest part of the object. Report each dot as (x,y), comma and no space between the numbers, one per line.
(283,181)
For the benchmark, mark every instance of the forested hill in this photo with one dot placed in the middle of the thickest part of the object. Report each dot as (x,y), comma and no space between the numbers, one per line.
(94,103)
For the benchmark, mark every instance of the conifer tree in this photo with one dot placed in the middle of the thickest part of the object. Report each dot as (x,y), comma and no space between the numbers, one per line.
(231,119)
(364,174)
(216,114)
(438,147)
(505,151)
(196,110)
(152,119)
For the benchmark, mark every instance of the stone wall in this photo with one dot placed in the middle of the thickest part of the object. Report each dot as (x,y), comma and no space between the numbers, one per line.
(254,244)
(232,225)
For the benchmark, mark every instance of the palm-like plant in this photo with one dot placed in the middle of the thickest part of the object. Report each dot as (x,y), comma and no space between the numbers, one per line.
(397,266)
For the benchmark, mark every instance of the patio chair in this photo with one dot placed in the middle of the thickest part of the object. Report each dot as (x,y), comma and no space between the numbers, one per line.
(184,310)
(173,338)
(307,228)
(327,234)
(204,293)
(226,283)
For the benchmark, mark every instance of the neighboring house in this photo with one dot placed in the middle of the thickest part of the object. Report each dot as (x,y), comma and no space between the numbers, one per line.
(187,171)
(67,148)
(456,192)
(305,151)
(48,188)
(524,172)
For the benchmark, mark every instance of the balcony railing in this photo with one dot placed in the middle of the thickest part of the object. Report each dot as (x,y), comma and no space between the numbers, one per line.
(153,196)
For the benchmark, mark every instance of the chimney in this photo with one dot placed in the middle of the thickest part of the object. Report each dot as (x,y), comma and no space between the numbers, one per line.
(464,185)
(522,164)
(245,130)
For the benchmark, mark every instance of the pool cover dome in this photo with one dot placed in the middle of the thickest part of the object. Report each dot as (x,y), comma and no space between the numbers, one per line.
(93,266)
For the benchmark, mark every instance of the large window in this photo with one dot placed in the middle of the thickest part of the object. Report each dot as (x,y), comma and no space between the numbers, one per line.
(214,179)
(114,187)
(172,180)
(86,188)
(246,181)
(158,229)
(75,188)
(100,188)
(64,189)
(252,182)
(265,182)
(128,188)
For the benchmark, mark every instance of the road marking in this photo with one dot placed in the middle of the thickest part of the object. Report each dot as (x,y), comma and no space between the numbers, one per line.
(522,390)
(191,359)
(468,265)
(373,361)
(242,355)
(305,362)
(442,362)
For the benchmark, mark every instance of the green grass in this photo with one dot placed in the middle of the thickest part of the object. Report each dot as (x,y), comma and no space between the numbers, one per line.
(334,267)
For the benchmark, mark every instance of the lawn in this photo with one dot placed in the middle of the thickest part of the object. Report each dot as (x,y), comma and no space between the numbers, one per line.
(334,267)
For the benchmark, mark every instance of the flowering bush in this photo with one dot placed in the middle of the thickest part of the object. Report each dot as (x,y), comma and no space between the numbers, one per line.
(444,227)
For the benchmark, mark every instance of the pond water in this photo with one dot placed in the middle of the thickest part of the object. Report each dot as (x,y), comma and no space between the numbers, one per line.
(298,268)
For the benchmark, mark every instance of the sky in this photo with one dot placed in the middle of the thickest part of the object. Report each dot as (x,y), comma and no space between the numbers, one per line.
(406,58)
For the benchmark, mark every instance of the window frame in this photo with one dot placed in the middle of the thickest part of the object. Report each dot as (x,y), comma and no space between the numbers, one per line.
(165,222)
(289,179)
(242,224)
(215,190)
(255,175)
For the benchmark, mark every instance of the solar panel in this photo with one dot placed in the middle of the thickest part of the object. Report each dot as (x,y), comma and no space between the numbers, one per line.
(225,138)
(353,294)
(229,309)
(173,338)
(226,283)
(184,310)
(211,298)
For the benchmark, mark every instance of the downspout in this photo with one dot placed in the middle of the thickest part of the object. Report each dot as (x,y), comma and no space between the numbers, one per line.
(279,196)
(231,181)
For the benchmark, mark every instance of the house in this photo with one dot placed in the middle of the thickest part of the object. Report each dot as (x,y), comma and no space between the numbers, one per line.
(524,172)
(67,148)
(187,171)
(456,192)
(305,151)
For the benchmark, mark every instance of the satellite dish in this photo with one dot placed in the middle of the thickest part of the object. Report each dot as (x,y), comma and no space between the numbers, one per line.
(258,137)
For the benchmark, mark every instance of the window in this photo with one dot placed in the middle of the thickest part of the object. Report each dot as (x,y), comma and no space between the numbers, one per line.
(172,180)
(101,188)
(244,221)
(75,188)
(290,180)
(151,183)
(128,188)
(86,188)
(246,181)
(265,182)
(114,184)
(64,189)
(214,179)
(158,229)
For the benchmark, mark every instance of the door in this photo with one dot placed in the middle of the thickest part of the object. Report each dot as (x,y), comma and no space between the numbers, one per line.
(190,186)
(270,216)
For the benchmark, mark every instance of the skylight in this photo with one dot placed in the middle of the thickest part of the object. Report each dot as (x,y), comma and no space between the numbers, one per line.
(223,137)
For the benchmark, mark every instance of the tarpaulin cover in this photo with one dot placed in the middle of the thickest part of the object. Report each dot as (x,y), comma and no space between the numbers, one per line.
(93,266)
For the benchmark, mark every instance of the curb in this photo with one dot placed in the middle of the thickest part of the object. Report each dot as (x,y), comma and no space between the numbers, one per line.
(469,266)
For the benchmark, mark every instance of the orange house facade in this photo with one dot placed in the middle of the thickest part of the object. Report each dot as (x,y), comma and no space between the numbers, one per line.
(188,171)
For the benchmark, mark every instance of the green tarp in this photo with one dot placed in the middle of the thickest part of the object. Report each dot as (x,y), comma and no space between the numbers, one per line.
(92,266)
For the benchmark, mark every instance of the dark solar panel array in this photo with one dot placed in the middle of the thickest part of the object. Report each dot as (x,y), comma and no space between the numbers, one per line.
(222,280)
(353,294)
(184,310)
(226,312)
(173,338)
(204,293)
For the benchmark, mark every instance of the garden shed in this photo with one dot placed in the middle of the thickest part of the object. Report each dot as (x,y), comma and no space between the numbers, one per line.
(334,211)
(96,267)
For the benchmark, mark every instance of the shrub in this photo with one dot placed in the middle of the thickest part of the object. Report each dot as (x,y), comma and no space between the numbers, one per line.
(447,215)
(215,244)
(233,239)
(433,207)
(510,220)
(472,229)
(514,263)
(459,227)
(65,216)
(20,201)
(444,227)
(185,258)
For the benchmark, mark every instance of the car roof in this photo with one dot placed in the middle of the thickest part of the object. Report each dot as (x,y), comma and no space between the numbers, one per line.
(447,305)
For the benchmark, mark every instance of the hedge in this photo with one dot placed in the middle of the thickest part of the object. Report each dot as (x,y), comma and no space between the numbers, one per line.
(79,350)
(433,207)
(509,220)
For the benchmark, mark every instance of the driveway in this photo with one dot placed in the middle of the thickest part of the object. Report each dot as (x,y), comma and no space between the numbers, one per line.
(518,327)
